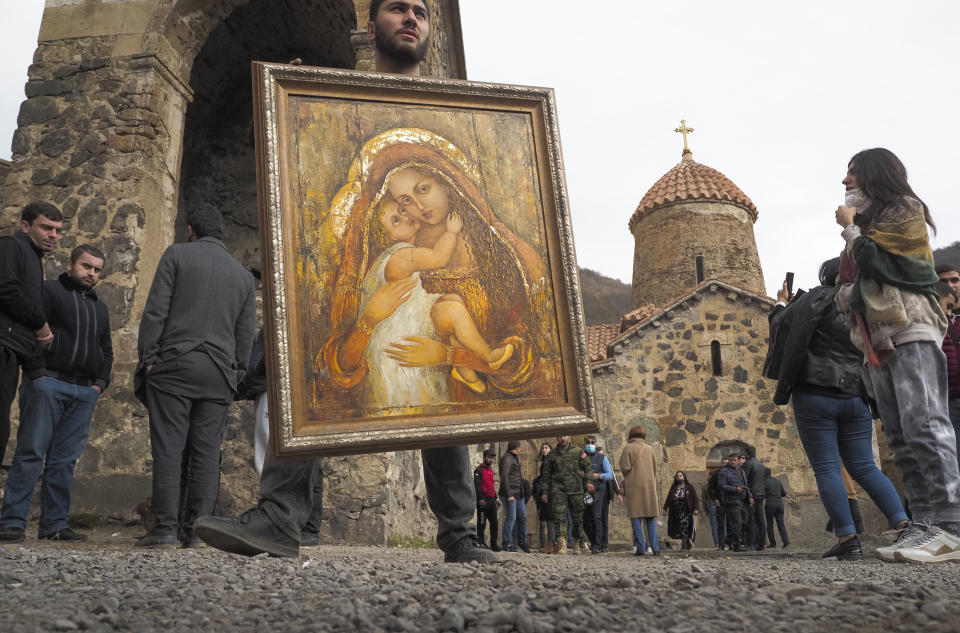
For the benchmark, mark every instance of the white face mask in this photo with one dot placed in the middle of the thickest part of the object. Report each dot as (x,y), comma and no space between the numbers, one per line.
(854,198)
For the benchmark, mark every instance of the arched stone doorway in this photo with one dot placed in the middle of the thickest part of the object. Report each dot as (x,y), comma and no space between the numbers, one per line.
(218,164)
(721,450)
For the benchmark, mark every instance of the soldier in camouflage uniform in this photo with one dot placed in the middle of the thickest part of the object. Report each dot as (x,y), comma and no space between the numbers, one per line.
(565,477)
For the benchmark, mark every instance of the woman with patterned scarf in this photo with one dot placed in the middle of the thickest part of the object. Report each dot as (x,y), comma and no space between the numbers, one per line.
(888,271)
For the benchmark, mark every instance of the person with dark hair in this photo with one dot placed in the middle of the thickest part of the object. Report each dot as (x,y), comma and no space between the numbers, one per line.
(567,474)
(511,491)
(755,524)
(774,509)
(194,343)
(897,323)
(733,492)
(639,468)
(400,31)
(820,375)
(682,508)
(711,499)
(487,500)
(548,525)
(949,275)
(612,491)
(601,473)
(57,400)
(23,325)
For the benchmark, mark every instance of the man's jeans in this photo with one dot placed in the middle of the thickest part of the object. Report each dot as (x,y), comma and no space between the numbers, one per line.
(718,527)
(840,430)
(54,425)
(286,485)
(509,522)
(638,524)
(911,393)
(520,527)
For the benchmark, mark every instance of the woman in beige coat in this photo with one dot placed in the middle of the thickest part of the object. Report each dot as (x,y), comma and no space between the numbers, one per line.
(639,468)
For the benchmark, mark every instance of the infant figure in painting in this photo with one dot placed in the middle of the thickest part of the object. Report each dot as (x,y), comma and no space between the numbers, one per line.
(448,313)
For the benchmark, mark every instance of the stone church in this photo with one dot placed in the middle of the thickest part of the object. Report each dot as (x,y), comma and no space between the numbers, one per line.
(686,362)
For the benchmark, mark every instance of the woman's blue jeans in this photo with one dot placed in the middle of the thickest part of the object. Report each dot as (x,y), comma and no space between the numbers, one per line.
(840,430)
(639,542)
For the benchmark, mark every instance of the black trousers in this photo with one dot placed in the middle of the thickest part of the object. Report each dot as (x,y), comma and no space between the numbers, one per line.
(758,523)
(487,513)
(774,514)
(9,375)
(733,516)
(187,398)
(597,525)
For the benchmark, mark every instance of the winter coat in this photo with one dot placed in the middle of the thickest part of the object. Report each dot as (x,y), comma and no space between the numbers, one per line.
(756,476)
(21,295)
(639,468)
(510,479)
(951,348)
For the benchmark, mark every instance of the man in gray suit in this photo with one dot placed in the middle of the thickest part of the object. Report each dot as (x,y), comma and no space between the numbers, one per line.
(194,343)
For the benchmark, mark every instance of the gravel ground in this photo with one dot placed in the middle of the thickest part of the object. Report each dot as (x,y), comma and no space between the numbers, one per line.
(107,585)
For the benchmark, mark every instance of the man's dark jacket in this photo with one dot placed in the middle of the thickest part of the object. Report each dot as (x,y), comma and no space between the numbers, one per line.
(728,478)
(21,295)
(81,352)
(755,474)
(201,299)
(510,478)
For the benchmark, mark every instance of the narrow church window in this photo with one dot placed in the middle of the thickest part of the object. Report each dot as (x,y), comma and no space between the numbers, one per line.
(699,268)
(715,358)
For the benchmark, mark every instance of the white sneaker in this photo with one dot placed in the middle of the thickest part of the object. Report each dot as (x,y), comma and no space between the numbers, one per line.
(935,546)
(905,536)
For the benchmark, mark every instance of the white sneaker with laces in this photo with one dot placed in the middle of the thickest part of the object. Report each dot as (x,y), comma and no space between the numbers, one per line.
(936,546)
(905,536)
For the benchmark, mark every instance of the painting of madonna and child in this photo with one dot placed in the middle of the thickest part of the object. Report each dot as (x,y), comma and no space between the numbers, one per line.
(428,300)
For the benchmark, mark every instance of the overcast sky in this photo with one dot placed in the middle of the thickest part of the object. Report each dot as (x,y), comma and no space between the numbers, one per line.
(781,95)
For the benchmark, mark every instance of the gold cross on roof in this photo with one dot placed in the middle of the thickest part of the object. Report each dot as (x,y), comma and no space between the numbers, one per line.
(683,129)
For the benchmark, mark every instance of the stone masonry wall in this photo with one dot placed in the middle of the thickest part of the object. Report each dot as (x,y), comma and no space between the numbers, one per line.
(661,377)
(669,240)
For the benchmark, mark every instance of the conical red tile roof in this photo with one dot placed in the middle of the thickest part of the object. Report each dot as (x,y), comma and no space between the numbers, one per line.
(688,181)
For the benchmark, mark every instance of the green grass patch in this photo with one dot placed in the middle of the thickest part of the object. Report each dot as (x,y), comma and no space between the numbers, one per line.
(86,520)
(410,542)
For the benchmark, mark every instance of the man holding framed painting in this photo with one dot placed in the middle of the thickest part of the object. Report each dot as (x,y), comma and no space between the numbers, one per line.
(419,274)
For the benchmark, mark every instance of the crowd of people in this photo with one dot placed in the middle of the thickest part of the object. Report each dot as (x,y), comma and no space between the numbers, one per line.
(872,340)
(575,487)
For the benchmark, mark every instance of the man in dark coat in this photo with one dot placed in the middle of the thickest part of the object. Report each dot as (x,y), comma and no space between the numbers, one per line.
(23,325)
(400,32)
(487,500)
(511,491)
(774,509)
(733,493)
(195,338)
(57,400)
(950,275)
(753,470)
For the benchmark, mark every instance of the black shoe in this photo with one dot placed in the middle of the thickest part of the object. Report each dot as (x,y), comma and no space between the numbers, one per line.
(603,550)
(656,552)
(784,546)
(309,539)
(525,548)
(495,548)
(152,541)
(64,534)
(251,534)
(738,548)
(469,549)
(640,552)
(11,535)
(194,542)
(847,550)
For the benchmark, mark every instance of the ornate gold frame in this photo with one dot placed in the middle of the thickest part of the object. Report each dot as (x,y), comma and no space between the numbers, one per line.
(291,434)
